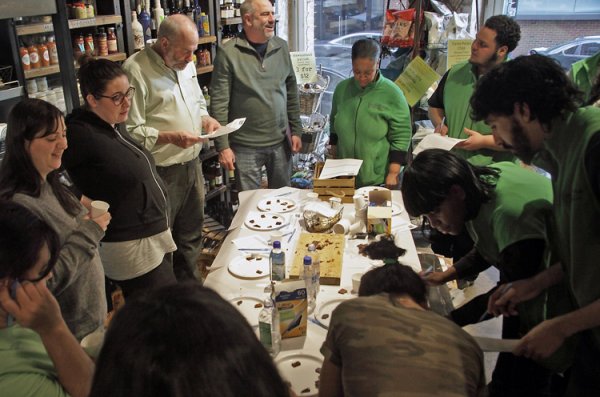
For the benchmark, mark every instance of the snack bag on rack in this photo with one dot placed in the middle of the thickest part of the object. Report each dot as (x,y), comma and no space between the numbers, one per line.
(398,30)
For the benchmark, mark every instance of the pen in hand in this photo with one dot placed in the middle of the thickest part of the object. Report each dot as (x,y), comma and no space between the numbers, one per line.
(487,315)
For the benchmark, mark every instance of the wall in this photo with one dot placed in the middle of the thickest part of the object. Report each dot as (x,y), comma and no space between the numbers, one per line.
(549,33)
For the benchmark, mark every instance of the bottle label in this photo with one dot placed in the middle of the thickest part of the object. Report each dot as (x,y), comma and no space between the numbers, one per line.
(112,46)
(138,39)
(46,56)
(34,57)
(265,335)
(25,59)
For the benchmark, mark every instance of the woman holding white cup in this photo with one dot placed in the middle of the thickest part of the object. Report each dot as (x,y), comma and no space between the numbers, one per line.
(29,175)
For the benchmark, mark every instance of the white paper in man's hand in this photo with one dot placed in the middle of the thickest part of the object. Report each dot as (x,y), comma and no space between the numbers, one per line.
(436,141)
(226,129)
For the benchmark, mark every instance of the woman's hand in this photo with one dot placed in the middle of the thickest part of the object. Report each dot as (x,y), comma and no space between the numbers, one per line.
(103,220)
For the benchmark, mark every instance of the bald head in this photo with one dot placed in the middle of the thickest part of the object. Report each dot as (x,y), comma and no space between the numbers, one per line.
(176,25)
(177,41)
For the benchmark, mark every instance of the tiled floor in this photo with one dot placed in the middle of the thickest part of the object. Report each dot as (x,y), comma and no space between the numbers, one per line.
(483,283)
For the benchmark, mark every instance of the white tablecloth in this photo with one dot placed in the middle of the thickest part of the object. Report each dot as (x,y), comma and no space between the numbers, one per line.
(231,287)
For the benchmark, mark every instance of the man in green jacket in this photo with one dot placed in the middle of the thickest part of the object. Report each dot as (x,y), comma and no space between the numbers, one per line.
(585,73)
(253,78)
(449,105)
(533,110)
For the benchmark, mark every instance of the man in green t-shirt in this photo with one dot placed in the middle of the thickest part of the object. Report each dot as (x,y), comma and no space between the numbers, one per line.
(534,111)
(503,207)
(449,108)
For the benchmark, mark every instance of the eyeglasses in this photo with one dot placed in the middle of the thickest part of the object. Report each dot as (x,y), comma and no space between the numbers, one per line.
(119,97)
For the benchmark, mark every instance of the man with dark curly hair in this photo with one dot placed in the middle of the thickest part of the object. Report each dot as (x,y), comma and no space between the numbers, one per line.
(449,105)
(533,110)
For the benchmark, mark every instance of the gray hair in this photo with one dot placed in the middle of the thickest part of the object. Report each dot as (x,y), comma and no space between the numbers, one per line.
(174,25)
(366,48)
(247,7)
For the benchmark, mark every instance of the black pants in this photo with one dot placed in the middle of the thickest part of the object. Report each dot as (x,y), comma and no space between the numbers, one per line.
(158,277)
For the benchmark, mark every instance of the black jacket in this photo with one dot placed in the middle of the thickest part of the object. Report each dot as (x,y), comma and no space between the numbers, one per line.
(106,164)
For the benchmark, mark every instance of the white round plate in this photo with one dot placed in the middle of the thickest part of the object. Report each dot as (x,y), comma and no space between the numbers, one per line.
(265,221)
(303,377)
(324,309)
(247,306)
(250,266)
(276,204)
(396,210)
(364,191)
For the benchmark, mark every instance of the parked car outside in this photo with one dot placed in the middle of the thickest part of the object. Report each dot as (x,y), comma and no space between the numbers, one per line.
(570,52)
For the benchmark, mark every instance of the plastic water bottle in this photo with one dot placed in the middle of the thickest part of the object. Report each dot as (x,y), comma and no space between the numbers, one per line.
(307,275)
(268,327)
(277,260)
(316,263)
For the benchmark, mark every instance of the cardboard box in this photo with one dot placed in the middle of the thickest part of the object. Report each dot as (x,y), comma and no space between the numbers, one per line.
(342,186)
(292,304)
(379,212)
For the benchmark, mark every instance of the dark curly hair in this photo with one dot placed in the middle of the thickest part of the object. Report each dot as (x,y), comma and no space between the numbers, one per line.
(508,31)
(536,80)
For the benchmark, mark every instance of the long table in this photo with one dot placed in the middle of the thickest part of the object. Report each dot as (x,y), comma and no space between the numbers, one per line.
(300,349)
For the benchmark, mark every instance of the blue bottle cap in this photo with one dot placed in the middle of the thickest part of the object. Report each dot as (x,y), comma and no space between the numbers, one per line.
(307,260)
(276,244)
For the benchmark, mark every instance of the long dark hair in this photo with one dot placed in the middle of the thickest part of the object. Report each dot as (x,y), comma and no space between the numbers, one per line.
(427,181)
(183,340)
(29,119)
(22,237)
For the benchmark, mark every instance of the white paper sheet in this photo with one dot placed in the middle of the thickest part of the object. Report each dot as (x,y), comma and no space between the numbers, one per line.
(343,167)
(436,141)
(226,129)
(496,345)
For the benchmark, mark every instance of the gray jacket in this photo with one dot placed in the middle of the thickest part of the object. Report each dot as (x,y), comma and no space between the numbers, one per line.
(262,90)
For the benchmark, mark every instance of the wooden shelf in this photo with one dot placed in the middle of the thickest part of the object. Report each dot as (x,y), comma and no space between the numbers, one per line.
(119,56)
(99,20)
(35,28)
(207,39)
(204,69)
(231,21)
(33,73)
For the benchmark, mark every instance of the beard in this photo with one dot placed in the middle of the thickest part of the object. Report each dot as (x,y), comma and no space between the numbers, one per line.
(491,61)
(521,146)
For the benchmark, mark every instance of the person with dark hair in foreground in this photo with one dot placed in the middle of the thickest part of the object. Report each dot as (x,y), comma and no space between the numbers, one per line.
(39,356)
(183,340)
(386,342)
(504,208)
(533,110)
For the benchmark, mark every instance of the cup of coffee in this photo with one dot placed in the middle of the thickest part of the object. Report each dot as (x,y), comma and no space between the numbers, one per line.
(356,282)
(98,208)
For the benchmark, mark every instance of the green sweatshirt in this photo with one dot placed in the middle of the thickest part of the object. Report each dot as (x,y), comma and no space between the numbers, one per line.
(584,73)
(576,226)
(264,91)
(460,85)
(369,124)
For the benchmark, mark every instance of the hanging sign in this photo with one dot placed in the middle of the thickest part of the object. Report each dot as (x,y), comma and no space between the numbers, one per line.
(416,79)
(305,67)
(458,51)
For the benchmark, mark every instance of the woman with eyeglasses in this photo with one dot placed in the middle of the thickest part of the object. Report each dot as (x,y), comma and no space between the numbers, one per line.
(38,354)
(370,119)
(29,175)
(105,163)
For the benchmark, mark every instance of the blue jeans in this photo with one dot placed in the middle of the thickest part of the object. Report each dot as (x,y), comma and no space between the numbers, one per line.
(250,160)
(185,186)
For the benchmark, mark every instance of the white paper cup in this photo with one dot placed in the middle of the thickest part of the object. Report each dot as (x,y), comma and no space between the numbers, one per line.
(98,208)
(356,227)
(356,282)
(359,202)
(342,227)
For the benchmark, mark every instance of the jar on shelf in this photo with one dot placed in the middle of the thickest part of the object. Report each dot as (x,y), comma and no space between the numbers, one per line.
(24,55)
(34,56)
(52,50)
(78,46)
(43,52)
(102,42)
(111,39)
(89,45)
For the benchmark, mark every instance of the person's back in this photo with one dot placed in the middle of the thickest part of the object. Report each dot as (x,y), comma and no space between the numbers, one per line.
(386,349)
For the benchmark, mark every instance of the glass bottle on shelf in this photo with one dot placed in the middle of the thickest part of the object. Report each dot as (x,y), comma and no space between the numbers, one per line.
(138,32)
(43,52)
(78,46)
(197,16)
(146,21)
(34,55)
(111,40)
(102,43)
(187,10)
(159,14)
(24,55)
(89,44)
(52,50)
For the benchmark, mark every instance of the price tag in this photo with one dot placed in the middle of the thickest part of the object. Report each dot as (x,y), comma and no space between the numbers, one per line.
(305,67)
(82,23)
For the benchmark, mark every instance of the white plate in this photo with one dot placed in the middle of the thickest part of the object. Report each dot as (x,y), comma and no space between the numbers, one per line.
(303,376)
(246,306)
(365,191)
(250,266)
(396,210)
(264,221)
(325,309)
(276,204)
